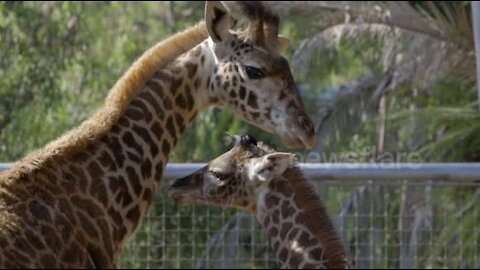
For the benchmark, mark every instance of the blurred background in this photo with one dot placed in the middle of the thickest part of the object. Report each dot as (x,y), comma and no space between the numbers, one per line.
(383,82)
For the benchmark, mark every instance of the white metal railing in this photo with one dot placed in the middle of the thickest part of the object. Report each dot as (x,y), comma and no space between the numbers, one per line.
(358,171)
(4,166)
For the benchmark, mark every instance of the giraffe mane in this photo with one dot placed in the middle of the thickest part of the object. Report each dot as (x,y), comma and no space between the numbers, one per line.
(317,218)
(117,100)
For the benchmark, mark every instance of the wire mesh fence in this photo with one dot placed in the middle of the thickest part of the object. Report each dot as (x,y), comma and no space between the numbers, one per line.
(422,216)
(392,223)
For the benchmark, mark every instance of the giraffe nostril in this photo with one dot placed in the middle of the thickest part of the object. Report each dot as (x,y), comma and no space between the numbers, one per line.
(305,123)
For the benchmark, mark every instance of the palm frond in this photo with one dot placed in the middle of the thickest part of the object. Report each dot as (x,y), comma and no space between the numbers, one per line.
(446,21)
(416,58)
(443,146)
(453,19)
(394,14)
(438,34)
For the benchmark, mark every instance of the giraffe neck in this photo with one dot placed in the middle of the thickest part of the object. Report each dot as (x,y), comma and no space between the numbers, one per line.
(135,151)
(100,192)
(300,237)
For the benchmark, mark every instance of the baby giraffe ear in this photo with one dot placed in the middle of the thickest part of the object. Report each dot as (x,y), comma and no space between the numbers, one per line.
(217,21)
(272,165)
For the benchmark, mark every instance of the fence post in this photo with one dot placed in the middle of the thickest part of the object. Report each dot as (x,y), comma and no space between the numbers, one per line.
(476,34)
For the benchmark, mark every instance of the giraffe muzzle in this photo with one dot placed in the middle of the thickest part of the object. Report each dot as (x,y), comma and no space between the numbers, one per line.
(180,183)
(179,195)
(299,133)
(182,189)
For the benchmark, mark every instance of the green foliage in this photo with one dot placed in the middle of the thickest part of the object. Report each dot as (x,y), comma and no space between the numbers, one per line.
(59,59)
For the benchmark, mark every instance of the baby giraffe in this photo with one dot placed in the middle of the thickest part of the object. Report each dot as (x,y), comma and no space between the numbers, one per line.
(267,183)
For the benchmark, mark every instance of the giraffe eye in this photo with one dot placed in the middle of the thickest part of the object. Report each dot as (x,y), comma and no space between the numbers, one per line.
(254,73)
(218,175)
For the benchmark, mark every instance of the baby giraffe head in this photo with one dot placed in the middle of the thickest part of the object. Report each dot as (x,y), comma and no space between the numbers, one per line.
(236,178)
(257,179)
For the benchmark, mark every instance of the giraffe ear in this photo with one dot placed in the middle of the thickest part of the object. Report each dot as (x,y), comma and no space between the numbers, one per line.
(217,21)
(272,165)
(282,44)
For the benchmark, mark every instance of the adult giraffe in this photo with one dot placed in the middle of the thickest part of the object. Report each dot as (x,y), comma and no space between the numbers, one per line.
(74,202)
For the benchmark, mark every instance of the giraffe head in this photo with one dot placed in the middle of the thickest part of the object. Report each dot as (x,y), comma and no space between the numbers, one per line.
(235,178)
(260,180)
(251,76)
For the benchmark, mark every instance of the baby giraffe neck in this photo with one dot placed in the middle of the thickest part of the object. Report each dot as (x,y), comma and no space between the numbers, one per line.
(297,225)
